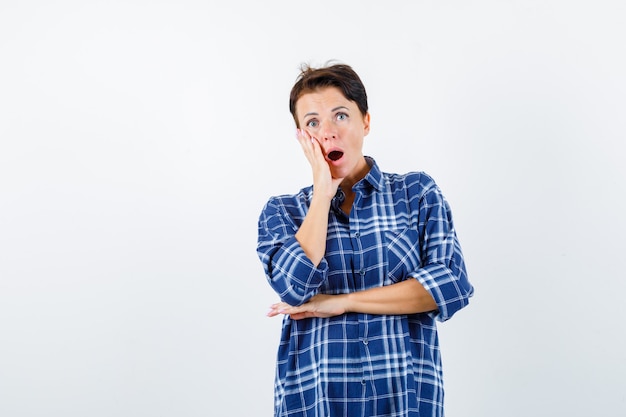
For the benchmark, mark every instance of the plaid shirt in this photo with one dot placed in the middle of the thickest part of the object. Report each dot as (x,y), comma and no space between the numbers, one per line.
(355,364)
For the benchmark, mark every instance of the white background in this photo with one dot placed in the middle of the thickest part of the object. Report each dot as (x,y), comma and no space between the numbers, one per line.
(140,139)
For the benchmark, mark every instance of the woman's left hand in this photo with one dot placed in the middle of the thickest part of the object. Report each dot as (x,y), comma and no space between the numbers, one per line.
(320,305)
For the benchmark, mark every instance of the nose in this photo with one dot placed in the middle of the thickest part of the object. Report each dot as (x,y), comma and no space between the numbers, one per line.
(328,132)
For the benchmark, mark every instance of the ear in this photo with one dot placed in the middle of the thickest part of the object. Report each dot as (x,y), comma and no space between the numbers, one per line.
(366,123)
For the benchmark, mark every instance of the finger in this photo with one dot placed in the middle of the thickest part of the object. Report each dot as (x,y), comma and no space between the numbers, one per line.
(278,308)
(317,148)
(301,136)
(306,142)
(300,316)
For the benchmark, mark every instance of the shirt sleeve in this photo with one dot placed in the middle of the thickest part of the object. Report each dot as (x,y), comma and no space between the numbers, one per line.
(288,270)
(442,271)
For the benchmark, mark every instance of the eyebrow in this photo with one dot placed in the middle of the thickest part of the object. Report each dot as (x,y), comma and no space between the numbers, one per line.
(332,111)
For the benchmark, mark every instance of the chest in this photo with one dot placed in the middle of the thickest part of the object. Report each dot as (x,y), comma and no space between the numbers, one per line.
(377,244)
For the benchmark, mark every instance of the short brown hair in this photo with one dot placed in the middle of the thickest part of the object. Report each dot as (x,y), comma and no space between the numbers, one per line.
(340,76)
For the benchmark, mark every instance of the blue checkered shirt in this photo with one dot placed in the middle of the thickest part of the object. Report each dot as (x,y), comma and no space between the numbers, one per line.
(400,227)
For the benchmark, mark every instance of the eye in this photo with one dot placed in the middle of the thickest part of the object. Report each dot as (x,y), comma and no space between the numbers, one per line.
(341,116)
(312,123)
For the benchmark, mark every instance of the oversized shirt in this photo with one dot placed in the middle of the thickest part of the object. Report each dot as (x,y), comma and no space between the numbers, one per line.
(400,227)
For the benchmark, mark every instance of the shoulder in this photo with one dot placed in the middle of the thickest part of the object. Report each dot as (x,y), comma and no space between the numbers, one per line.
(416,181)
(417,188)
(288,204)
(298,198)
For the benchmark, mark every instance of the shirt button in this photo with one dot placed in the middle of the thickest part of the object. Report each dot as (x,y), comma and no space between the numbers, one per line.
(362,272)
(357,234)
(365,341)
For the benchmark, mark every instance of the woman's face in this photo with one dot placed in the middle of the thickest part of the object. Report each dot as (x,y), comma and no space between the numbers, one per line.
(339,127)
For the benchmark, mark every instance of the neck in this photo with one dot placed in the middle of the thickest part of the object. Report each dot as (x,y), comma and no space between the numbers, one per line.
(348,183)
(358,174)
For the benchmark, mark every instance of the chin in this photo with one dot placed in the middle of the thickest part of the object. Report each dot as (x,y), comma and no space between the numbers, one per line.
(339,173)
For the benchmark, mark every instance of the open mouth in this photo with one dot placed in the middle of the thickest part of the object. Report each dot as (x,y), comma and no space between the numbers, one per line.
(335,155)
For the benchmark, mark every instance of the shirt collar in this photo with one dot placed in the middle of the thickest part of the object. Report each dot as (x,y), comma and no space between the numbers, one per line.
(374,177)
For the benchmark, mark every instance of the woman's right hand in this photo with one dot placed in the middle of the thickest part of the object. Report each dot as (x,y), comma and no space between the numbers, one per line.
(323,182)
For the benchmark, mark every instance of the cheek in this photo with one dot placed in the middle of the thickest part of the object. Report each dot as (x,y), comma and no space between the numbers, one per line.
(355,143)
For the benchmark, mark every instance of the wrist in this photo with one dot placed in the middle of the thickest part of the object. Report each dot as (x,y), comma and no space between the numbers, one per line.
(321,199)
(347,301)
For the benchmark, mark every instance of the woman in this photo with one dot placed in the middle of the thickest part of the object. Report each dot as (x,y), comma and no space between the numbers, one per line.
(363,261)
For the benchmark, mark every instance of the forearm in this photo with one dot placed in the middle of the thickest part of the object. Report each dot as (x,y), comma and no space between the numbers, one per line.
(406,297)
(312,233)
